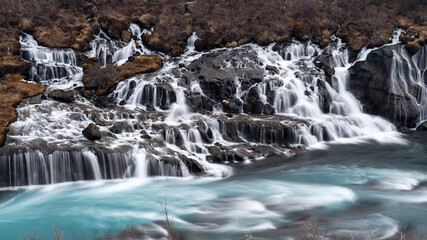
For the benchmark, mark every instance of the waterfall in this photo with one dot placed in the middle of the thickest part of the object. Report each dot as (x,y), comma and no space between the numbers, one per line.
(197,112)
(141,164)
(58,66)
(118,52)
(191,40)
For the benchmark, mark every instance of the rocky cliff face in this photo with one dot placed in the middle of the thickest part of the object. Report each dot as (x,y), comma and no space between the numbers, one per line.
(391,83)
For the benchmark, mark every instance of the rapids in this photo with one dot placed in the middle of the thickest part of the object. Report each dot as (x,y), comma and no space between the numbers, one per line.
(364,188)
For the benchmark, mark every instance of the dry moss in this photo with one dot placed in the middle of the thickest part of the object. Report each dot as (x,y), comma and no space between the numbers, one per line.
(13,90)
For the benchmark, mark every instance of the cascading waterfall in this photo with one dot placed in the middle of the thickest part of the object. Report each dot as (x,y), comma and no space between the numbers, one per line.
(158,131)
(113,51)
(56,66)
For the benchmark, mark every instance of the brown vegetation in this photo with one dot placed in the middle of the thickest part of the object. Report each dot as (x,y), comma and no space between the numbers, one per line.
(103,80)
(12,91)
(63,23)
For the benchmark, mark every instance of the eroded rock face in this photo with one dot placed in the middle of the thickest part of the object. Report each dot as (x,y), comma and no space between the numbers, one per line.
(384,88)
(218,75)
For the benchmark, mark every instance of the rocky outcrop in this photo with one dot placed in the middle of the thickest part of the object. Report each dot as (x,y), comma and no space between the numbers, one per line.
(383,92)
(12,91)
(218,75)
(92,132)
(103,80)
(72,30)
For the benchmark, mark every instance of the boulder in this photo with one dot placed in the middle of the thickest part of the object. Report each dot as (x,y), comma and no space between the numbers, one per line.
(62,95)
(92,132)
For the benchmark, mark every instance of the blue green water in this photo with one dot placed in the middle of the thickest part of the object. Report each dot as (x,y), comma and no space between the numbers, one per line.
(367,189)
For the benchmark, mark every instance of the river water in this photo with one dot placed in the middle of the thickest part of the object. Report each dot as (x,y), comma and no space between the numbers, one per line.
(366,189)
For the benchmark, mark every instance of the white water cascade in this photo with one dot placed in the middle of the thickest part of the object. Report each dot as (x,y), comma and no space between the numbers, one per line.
(51,66)
(195,114)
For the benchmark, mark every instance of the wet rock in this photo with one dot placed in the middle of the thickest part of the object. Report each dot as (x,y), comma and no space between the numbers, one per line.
(122,102)
(253,106)
(272,69)
(150,107)
(268,109)
(422,126)
(372,82)
(324,98)
(232,106)
(62,95)
(120,127)
(192,165)
(324,62)
(92,132)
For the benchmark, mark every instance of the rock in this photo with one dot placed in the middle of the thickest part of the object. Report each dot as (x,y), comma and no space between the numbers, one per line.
(415,46)
(114,24)
(103,80)
(232,106)
(272,69)
(216,73)
(122,102)
(324,62)
(120,127)
(372,83)
(62,95)
(206,41)
(422,126)
(268,109)
(126,36)
(232,44)
(150,107)
(92,132)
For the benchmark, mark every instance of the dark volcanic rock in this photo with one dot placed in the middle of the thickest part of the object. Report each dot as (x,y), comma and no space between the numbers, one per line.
(92,132)
(62,95)
(324,61)
(217,72)
(120,127)
(422,126)
(381,91)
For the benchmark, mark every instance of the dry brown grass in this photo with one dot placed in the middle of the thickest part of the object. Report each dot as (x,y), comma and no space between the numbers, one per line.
(12,91)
